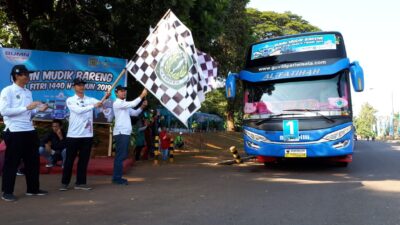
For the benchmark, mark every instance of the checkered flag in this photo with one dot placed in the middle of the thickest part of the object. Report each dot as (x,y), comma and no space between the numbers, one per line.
(209,68)
(167,65)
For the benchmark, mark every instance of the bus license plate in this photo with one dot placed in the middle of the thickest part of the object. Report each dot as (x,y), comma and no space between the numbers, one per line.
(295,153)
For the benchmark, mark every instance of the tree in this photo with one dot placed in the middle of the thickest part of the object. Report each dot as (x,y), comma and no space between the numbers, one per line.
(272,24)
(9,35)
(107,27)
(229,49)
(366,120)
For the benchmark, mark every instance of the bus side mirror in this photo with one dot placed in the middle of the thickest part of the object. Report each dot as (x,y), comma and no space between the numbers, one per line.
(357,76)
(230,85)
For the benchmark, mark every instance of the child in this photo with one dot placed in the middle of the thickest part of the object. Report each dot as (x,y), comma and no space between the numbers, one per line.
(164,143)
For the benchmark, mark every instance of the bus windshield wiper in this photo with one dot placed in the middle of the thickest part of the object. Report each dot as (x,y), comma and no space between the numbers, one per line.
(274,116)
(312,110)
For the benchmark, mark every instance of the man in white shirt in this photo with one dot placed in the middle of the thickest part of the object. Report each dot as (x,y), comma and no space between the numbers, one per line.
(17,107)
(123,110)
(79,135)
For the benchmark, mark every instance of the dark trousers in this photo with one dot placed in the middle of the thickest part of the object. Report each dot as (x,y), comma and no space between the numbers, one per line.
(77,147)
(121,153)
(138,151)
(21,145)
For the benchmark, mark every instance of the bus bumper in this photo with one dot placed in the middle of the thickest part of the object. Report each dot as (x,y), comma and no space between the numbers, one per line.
(341,149)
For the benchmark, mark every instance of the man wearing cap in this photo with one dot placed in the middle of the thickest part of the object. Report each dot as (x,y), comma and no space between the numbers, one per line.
(21,139)
(79,135)
(123,110)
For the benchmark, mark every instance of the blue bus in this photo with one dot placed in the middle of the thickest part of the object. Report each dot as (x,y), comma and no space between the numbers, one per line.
(297,98)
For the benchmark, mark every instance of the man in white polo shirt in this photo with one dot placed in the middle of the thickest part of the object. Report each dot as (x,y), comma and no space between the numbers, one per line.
(123,110)
(17,107)
(79,135)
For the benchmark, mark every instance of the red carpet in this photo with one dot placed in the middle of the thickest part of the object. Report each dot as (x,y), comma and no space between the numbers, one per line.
(100,165)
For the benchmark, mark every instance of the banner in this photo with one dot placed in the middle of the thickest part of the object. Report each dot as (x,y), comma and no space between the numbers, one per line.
(167,65)
(51,82)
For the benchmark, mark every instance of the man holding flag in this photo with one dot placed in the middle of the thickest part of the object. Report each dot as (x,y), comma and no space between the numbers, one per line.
(123,111)
(80,135)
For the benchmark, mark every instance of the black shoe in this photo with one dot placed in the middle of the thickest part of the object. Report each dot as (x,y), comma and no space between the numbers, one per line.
(64,187)
(8,197)
(121,181)
(84,187)
(38,193)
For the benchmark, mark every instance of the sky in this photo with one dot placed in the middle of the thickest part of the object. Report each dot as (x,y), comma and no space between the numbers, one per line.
(371,32)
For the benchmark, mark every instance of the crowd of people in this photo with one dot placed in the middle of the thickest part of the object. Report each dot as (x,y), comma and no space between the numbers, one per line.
(17,108)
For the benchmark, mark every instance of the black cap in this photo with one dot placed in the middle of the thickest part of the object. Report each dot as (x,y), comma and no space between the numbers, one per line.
(119,88)
(79,81)
(18,69)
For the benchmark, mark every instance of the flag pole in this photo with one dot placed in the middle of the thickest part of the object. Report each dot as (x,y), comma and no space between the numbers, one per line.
(114,84)
(102,101)
(168,11)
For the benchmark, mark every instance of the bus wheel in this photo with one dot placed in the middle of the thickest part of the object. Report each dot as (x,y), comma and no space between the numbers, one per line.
(275,162)
(342,164)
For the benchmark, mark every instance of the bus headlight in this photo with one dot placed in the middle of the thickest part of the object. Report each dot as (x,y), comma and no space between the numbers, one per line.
(255,137)
(252,145)
(337,134)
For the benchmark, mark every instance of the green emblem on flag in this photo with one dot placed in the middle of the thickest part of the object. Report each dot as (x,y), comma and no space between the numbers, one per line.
(173,68)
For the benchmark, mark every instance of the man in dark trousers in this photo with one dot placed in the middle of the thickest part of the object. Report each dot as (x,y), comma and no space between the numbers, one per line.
(79,135)
(21,139)
(123,111)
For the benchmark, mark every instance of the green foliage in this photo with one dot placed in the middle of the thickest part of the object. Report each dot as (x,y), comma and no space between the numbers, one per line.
(272,24)
(215,103)
(365,121)
(92,28)
(9,35)
(229,50)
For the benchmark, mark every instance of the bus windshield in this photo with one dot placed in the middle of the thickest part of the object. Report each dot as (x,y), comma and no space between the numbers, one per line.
(328,95)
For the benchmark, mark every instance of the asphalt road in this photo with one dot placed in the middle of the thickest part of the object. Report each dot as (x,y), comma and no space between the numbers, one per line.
(194,191)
